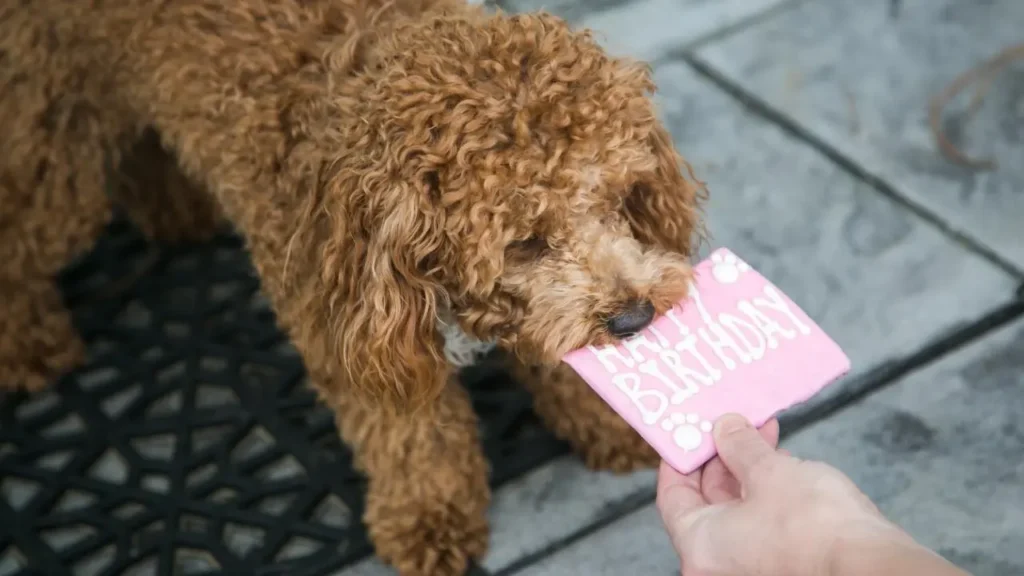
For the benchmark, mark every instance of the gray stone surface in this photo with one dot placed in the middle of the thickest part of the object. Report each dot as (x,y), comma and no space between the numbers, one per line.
(553,502)
(860,79)
(647,29)
(636,544)
(880,280)
(939,452)
(572,10)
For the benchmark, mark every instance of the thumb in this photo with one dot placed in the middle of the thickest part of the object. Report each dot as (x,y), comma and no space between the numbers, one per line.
(741,448)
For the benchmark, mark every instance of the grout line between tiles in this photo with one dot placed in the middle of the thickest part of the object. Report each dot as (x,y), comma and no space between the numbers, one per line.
(890,372)
(572,13)
(723,32)
(761,108)
(575,15)
(611,513)
(476,570)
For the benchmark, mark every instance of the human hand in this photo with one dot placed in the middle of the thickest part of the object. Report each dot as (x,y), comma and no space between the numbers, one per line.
(755,511)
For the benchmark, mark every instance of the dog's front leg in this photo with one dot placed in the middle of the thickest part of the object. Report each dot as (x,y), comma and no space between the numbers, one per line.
(575,413)
(428,491)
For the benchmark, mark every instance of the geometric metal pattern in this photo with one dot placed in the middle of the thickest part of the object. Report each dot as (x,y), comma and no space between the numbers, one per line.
(189,443)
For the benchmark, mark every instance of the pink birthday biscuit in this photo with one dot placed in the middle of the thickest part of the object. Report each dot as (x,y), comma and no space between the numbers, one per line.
(737,344)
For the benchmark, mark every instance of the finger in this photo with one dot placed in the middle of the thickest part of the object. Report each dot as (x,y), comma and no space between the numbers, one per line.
(741,448)
(671,480)
(666,473)
(718,484)
(678,497)
(770,432)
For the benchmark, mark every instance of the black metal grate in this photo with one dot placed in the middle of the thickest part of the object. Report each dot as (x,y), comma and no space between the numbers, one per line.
(190,444)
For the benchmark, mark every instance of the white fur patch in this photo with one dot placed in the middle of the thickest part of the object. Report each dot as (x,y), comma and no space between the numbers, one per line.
(591,178)
(460,348)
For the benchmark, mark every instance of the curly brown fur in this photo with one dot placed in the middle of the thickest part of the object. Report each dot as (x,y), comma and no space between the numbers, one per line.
(165,204)
(390,163)
(569,407)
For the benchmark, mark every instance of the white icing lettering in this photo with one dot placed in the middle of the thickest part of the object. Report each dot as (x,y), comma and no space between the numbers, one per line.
(678,370)
(633,345)
(629,384)
(715,336)
(606,353)
(776,302)
(662,341)
(690,377)
(678,394)
(699,302)
(720,342)
(766,325)
(738,327)
(671,315)
(689,345)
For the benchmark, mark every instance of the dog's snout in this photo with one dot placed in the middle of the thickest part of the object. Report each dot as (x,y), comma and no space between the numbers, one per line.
(633,318)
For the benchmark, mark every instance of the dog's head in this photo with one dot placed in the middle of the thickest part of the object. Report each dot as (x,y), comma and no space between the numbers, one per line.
(514,176)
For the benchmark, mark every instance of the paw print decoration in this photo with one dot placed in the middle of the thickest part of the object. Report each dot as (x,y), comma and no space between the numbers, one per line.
(727,268)
(688,430)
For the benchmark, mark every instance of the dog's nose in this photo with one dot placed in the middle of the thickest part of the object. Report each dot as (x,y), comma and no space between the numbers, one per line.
(636,316)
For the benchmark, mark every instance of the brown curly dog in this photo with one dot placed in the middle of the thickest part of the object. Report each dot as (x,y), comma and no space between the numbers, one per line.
(407,174)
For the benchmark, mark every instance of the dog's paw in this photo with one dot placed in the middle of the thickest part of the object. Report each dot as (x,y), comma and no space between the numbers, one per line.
(619,453)
(423,539)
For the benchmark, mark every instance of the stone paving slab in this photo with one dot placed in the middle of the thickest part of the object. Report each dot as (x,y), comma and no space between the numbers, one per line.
(542,507)
(939,452)
(552,503)
(647,29)
(636,544)
(879,279)
(859,77)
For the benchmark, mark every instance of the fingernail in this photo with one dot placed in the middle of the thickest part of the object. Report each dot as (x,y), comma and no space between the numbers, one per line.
(731,423)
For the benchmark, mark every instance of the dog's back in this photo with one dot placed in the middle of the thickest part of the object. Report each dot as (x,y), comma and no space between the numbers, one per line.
(78,49)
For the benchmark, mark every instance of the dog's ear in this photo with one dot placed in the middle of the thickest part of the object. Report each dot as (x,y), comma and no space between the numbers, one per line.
(664,206)
(384,308)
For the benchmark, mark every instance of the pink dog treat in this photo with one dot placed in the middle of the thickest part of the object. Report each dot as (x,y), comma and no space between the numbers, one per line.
(737,344)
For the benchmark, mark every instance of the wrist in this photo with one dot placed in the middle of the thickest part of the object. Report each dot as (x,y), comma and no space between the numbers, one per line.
(882,550)
(853,541)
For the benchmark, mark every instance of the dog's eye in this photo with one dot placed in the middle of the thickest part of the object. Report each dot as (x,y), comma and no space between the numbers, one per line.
(532,247)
